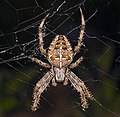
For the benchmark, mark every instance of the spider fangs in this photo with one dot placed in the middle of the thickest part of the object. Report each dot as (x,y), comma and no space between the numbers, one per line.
(60,55)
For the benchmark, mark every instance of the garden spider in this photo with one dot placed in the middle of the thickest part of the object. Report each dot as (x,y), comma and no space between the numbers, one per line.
(60,55)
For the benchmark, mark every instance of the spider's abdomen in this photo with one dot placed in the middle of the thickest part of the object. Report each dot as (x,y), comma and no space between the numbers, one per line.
(60,52)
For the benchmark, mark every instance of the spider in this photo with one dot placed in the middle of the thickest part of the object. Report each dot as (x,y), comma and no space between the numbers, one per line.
(60,56)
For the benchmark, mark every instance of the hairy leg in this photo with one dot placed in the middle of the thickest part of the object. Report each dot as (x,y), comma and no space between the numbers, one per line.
(39,88)
(46,65)
(76,63)
(79,85)
(80,38)
(40,33)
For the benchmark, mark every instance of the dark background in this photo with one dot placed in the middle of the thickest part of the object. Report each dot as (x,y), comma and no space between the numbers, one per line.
(19,21)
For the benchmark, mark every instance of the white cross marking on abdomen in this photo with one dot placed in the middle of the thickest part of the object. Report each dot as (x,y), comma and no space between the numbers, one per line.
(60,55)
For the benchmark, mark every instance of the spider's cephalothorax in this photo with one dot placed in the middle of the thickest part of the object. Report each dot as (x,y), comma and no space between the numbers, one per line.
(60,55)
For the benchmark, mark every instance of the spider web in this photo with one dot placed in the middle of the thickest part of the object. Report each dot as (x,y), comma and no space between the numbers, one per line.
(19,21)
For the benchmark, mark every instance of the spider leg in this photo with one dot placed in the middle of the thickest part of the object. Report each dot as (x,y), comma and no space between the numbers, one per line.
(76,63)
(80,38)
(46,65)
(40,33)
(79,85)
(39,88)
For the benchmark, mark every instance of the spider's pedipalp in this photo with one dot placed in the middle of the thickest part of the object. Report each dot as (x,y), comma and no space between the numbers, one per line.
(39,88)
